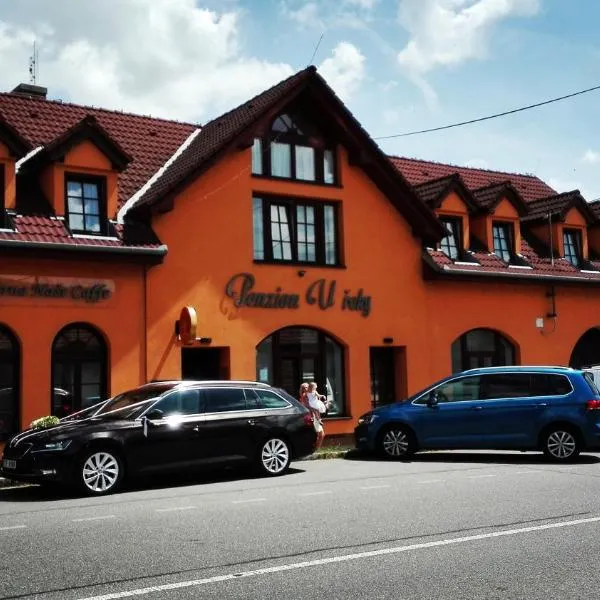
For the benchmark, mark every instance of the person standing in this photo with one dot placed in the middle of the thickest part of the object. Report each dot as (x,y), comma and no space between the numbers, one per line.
(317,407)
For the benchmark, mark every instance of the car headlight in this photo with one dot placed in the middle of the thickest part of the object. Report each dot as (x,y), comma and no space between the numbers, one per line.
(53,446)
(367,419)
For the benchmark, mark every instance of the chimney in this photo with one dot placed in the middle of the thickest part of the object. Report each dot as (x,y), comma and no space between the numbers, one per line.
(30,90)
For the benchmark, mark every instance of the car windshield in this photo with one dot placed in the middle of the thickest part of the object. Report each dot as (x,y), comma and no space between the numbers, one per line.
(131,403)
(84,414)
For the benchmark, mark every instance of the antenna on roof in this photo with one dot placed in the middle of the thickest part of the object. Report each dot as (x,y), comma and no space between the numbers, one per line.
(551,241)
(316,48)
(33,65)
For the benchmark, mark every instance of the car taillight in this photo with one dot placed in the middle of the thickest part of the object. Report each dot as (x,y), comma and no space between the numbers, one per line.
(593,405)
(308,419)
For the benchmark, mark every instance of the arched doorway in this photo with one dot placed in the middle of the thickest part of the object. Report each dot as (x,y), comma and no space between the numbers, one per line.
(294,355)
(586,352)
(79,369)
(10,370)
(481,348)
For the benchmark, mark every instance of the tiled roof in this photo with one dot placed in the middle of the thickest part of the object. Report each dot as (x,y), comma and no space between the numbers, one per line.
(420,171)
(148,140)
(558,205)
(430,191)
(215,135)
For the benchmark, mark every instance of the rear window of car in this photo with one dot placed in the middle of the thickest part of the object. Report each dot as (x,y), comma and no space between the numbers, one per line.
(591,382)
(267,398)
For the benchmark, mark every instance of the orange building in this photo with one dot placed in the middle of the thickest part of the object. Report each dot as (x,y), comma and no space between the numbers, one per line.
(276,242)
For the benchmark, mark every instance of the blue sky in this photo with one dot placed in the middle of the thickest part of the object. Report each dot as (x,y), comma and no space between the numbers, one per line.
(399,65)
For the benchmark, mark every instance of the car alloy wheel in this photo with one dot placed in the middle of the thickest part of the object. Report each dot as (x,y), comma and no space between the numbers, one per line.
(275,456)
(561,445)
(101,472)
(396,442)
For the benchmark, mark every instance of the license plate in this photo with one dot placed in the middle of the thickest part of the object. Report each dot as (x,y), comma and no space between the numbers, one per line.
(9,464)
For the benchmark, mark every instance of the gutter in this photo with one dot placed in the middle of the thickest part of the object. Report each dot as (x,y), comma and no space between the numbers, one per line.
(126,250)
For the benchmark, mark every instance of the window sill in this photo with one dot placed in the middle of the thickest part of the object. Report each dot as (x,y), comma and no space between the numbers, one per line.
(299,181)
(95,236)
(303,265)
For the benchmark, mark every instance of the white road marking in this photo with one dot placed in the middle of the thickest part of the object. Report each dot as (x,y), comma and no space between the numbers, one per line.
(13,527)
(174,508)
(249,500)
(101,518)
(321,493)
(431,481)
(522,472)
(374,487)
(479,476)
(338,559)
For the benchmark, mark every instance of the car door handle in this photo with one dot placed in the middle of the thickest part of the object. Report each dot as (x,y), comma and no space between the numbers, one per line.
(477,408)
(251,422)
(196,429)
(542,404)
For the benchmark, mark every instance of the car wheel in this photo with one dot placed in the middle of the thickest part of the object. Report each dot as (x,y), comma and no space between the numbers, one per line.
(561,444)
(100,472)
(396,442)
(274,457)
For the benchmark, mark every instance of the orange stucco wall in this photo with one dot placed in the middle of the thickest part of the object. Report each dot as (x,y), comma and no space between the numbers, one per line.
(454,206)
(10,185)
(36,321)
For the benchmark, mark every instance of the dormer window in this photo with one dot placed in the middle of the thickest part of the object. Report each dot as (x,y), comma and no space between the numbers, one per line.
(86,204)
(572,245)
(453,241)
(503,241)
(292,149)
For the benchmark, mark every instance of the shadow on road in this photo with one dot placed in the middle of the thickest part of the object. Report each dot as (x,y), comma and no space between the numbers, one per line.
(525,458)
(37,493)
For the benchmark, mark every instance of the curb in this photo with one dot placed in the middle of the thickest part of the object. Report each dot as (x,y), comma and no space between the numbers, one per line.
(325,454)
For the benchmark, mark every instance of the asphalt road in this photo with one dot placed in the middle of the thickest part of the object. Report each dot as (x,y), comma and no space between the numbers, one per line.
(446,525)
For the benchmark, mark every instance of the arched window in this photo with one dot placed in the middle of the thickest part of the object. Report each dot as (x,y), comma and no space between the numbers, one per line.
(586,352)
(79,369)
(293,149)
(296,355)
(10,368)
(481,348)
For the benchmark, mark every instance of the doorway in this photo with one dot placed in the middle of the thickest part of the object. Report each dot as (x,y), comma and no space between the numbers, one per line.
(205,364)
(387,381)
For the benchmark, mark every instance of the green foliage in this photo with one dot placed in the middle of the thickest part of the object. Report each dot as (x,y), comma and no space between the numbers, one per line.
(44,422)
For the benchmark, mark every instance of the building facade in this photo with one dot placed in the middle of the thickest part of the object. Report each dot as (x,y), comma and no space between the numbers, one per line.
(278,243)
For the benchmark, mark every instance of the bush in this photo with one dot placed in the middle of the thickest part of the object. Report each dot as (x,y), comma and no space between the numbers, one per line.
(44,422)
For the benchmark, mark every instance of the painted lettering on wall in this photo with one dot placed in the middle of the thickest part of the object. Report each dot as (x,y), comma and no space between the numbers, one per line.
(88,291)
(321,293)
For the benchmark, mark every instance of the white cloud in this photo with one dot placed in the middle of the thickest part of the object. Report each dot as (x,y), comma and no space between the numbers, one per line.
(477,163)
(345,70)
(591,157)
(161,57)
(366,4)
(449,32)
(307,15)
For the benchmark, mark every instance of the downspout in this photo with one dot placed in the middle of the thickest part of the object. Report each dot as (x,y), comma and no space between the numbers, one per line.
(145,325)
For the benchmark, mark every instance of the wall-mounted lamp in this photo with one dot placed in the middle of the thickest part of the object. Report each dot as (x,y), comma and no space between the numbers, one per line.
(301,273)
(388,340)
(539,322)
(204,340)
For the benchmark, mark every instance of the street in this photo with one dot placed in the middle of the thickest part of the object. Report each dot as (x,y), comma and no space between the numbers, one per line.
(444,525)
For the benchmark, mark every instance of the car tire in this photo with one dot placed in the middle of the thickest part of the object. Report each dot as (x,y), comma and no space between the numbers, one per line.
(100,472)
(273,457)
(561,444)
(396,442)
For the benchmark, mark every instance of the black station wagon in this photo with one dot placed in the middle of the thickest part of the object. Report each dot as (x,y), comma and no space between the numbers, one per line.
(164,427)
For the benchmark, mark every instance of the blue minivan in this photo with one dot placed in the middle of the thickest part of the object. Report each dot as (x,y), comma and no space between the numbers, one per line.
(551,409)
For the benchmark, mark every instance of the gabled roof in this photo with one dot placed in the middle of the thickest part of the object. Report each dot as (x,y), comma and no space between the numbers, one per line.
(17,145)
(434,192)
(419,171)
(231,130)
(489,197)
(150,141)
(557,206)
(86,129)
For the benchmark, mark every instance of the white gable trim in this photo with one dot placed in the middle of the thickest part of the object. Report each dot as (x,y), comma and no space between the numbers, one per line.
(29,155)
(155,177)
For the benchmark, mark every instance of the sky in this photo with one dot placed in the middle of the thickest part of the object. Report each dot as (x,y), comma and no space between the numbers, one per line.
(399,66)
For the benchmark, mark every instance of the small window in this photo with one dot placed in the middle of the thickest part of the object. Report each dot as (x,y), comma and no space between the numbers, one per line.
(257,162)
(180,402)
(589,378)
(452,243)
(572,245)
(224,399)
(548,384)
(85,204)
(503,241)
(268,399)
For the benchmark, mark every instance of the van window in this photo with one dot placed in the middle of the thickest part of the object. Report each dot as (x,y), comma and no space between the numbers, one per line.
(457,390)
(549,384)
(591,382)
(506,385)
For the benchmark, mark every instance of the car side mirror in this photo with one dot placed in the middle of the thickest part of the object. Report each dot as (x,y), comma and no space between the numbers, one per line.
(432,399)
(154,415)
